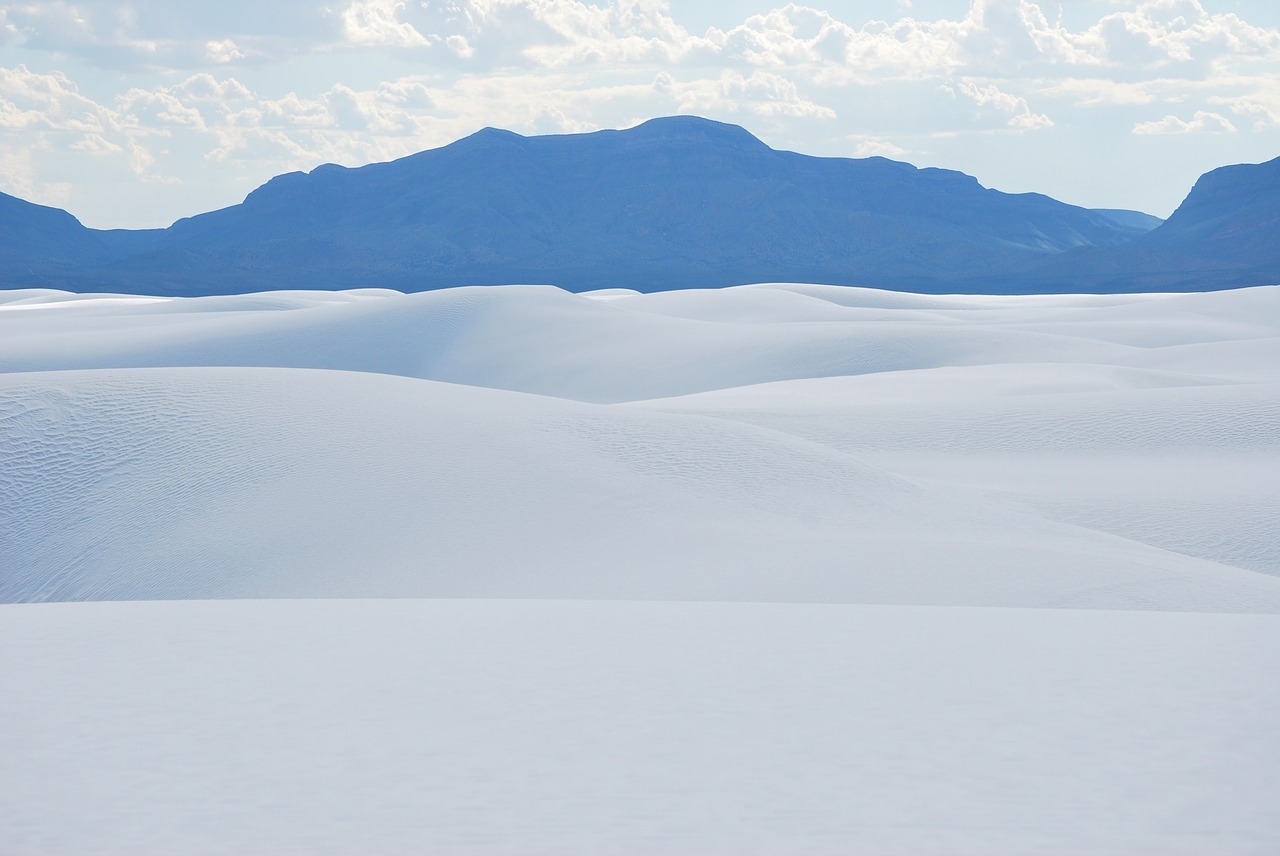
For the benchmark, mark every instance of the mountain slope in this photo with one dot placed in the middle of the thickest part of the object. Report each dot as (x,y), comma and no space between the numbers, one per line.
(676,202)
(679,202)
(37,239)
(1225,234)
(1232,211)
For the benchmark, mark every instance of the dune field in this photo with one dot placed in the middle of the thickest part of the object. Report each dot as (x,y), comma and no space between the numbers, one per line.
(510,570)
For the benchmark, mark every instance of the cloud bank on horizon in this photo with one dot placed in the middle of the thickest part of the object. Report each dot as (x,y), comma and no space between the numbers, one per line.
(133,114)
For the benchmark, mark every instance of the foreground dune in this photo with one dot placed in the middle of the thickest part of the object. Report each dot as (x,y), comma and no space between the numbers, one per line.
(518,727)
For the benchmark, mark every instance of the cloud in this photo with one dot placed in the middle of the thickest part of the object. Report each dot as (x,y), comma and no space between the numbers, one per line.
(155,111)
(137,35)
(54,116)
(20,176)
(1256,101)
(223,51)
(95,144)
(1202,122)
(867,146)
(460,46)
(997,39)
(991,95)
(377,22)
(1095,91)
(761,93)
(1262,113)
(1163,32)
(550,120)
(207,88)
(49,102)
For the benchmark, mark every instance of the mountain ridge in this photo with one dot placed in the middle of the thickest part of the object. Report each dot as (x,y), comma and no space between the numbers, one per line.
(675,202)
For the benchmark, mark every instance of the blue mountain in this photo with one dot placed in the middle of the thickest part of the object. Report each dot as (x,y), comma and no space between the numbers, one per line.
(37,237)
(678,202)
(1225,234)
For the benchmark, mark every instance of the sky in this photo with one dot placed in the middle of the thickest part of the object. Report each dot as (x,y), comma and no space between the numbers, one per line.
(134,114)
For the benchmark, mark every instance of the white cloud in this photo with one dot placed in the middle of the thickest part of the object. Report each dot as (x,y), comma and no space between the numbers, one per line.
(1094,92)
(157,111)
(223,51)
(762,93)
(49,102)
(377,22)
(161,34)
(409,93)
(867,146)
(991,95)
(140,161)
(1202,122)
(1263,115)
(20,176)
(1163,32)
(551,120)
(205,87)
(460,46)
(994,38)
(95,144)
(1257,103)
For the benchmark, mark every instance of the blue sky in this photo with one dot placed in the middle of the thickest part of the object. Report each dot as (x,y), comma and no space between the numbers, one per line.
(133,114)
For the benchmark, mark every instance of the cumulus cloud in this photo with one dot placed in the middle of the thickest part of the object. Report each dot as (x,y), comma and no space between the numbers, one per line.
(223,51)
(49,102)
(991,95)
(95,144)
(1262,114)
(53,115)
(993,37)
(1256,101)
(1202,122)
(156,111)
(868,146)
(1095,91)
(1164,32)
(163,35)
(762,93)
(378,22)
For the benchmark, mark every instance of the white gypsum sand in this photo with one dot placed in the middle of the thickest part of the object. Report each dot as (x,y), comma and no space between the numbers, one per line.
(580,728)
(823,444)
(865,474)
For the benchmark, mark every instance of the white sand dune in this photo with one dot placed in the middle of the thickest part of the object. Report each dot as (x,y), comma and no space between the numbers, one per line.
(179,483)
(1177,461)
(459,509)
(824,444)
(540,727)
(542,340)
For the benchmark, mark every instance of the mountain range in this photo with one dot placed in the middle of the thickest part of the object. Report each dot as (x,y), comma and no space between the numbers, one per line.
(677,202)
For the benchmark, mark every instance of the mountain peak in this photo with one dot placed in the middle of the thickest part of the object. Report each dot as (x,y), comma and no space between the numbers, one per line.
(695,128)
(1226,184)
(489,134)
(663,130)
(485,140)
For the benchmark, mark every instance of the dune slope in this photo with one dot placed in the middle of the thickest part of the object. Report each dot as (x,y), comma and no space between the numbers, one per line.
(796,443)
